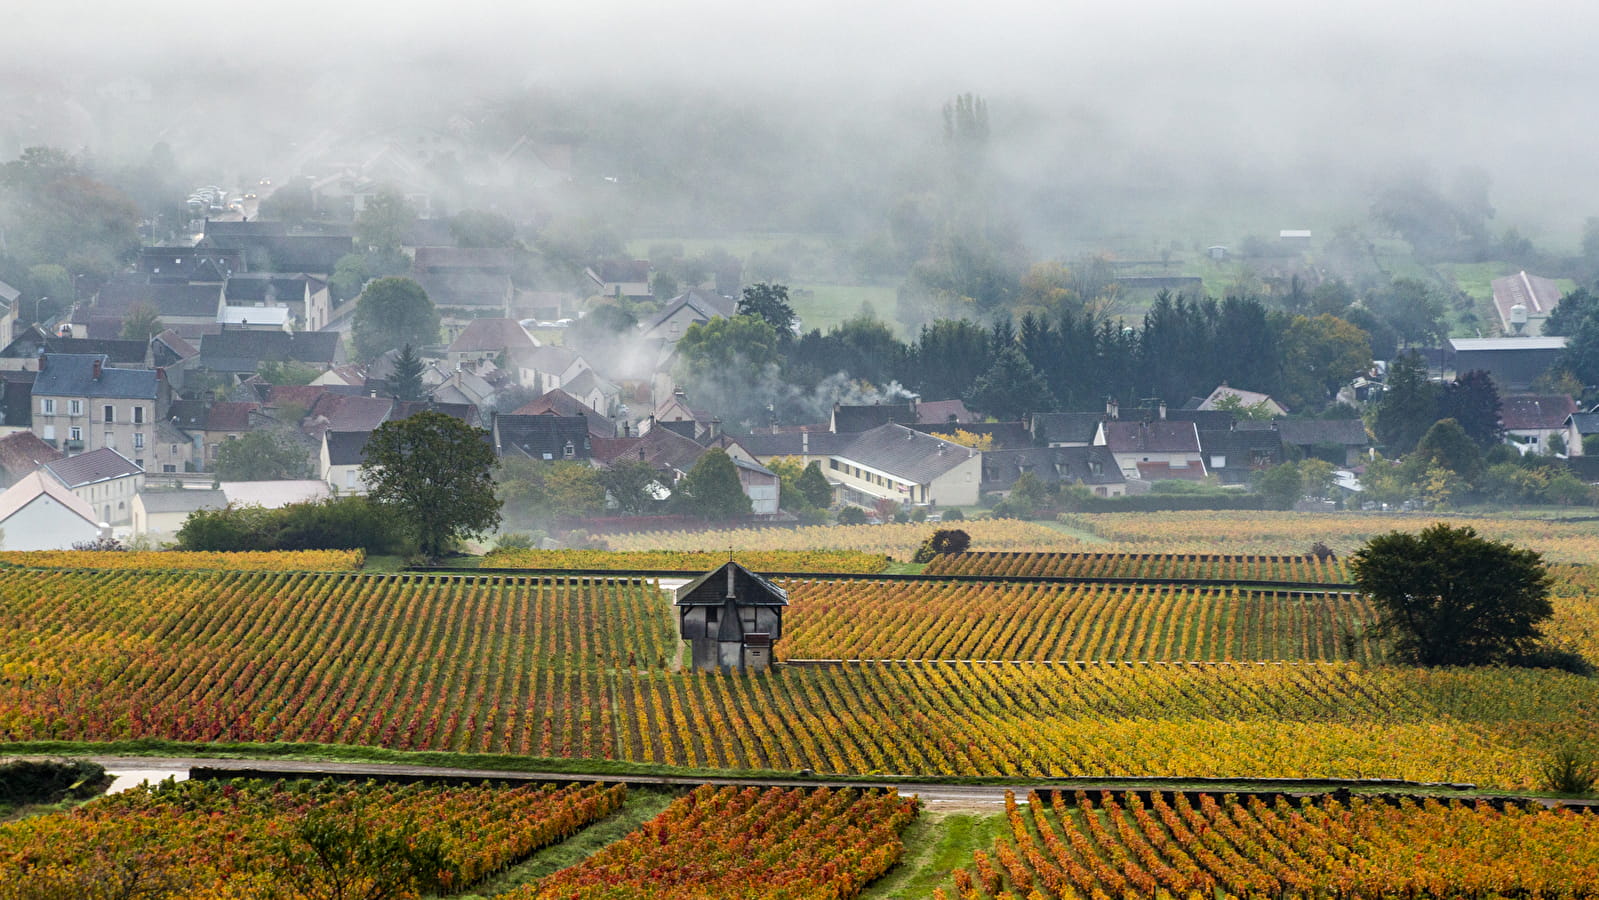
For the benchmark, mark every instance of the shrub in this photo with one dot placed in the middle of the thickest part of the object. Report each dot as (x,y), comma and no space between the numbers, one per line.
(50,780)
(954,515)
(1569,771)
(944,541)
(852,515)
(345,523)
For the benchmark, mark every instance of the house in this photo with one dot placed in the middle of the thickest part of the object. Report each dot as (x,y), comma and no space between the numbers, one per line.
(621,278)
(760,484)
(341,455)
(104,479)
(1579,425)
(662,448)
(83,404)
(675,414)
(16,401)
(1536,296)
(547,437)
(464,295)
(346,412)
(545,367)
(306,297)
(21,454)
(174,450)
(178,304)
(22,354)
(1153,450)
(1234,455)
(731,618)
(893,462)
(1065,429)
(204,265)
(856,419)
(1341,442)
(10,300)
(162,513)
(602,396)
(695,306)
(37,513)
(258,318)
(560,403)
(268,247)
(275,494)
(1530,420)
(1513,362)
(998,435)
(225,420)
(1092,467)
(237,351)
(1223,397)
(804,447)
(489,339)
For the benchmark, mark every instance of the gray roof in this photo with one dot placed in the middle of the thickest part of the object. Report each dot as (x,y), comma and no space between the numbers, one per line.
(856,419)
(260,288)
(1152,437)
(1050,465)
(1066,427)
(1586,423)
(748,588)
(905,453)
(1304,432)
(192,301)
(72,375)
(1507,343)
(705,304)
(542,437)
(95,466)
(182,501)
(8,294)
(794,443)
(347,448)
(240,350)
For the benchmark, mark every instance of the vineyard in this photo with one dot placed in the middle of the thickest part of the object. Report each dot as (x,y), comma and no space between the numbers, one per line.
(279,561)
(583,667)
(1197,566)
(896,541)
(1126,846)
(842,561)
(729,842)
(213,840)
(1241,532)
(859,619)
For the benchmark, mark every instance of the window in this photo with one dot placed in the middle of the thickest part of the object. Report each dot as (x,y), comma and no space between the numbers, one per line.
(569,451)
(110,414)
(139,462)
(138,415)
(49,432)
(169,468)
(75,433)
(138,440)
(74,407)
(1217,461)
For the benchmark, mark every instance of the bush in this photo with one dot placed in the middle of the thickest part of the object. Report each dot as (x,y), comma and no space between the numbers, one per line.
(514,540)
(1569,771)
(954,515)
(345,523)
(1081,502)
(50,781)
(944,541)
(852,515)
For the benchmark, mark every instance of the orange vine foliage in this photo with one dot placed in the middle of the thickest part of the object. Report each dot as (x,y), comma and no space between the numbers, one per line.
(840,561)
(1167,846)
(790,843)
(208,840)
(173,560)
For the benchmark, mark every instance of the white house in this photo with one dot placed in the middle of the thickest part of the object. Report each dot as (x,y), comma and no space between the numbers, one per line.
(37,513)
(162,513)
(342,453)
(892,462)
(104,479)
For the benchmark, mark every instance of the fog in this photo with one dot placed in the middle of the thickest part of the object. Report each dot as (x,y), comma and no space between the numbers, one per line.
(1110,122)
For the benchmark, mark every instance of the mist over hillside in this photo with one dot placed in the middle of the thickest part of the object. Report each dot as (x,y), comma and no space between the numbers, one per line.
(1109,125)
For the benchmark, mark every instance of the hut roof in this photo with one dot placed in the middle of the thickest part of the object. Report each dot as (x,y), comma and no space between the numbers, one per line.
(748,589)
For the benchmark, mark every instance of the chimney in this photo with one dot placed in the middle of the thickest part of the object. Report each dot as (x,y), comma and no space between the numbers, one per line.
(99,368)
(1162,410)
(716,429)
(160,373)
(805,443)
(1110,408)
(43,359)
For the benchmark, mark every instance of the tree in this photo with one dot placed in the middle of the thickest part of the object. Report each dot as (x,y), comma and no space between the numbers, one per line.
(292,203)
(345,853)
(1447,597)
(1282,486)
(1447,445)
(143,322)
(261,456)
(381,225)
(435,472)
(769,303)
(1473,401)
(406,380)
(1010,388)
(1321,355)
(538,491)
(477,228)
(813,484)
(731,365)
(349,275)
(393,312)
(633,484)
(711,489)
(1414,310)
(1409,406)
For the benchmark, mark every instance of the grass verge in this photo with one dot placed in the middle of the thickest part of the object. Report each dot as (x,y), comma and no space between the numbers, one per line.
(641,806)
(934,847)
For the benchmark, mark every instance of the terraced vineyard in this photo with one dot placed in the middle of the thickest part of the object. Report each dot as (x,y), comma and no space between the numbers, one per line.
(205,840)
(1198,566)
(176,560)
(1124,846)
(859,619)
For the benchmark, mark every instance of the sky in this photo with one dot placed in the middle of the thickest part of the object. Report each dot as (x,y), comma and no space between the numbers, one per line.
(1217,90)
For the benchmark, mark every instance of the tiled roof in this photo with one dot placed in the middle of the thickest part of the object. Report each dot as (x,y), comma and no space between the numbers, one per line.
(466,287)
(542,437)
(236,344)
(72,375)
(560,403)
(1586,423)
(496,259)
(856,419)
(942,412)
(659,447)
(1066,427)
(1304,432)
(32,486)
(492,335)
(229,416)
(263,288)
(96,465)
(705,305)
(24,452)
(1051,465)
(1523,411)
(795,443)
(343,412)
(189,301)
(1002,435)
(1152,437)
(905,453)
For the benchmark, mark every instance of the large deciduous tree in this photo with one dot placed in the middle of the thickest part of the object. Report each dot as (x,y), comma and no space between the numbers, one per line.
(393,312)
(711,490)
(262,456)
(435,472)
(381,225)
(769,303)
(1447,597)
